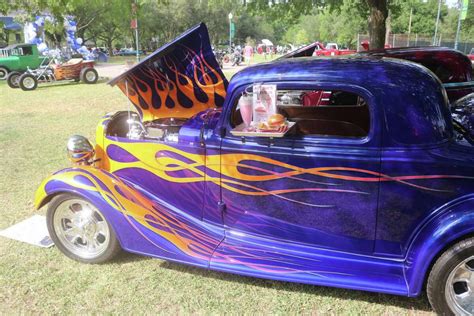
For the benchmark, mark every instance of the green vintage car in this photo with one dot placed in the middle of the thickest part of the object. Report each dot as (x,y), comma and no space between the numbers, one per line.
(19,57)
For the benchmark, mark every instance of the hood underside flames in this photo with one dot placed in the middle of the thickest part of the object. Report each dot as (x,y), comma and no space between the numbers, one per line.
(180,79)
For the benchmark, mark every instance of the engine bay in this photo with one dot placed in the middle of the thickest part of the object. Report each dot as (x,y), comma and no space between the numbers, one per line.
(128,124)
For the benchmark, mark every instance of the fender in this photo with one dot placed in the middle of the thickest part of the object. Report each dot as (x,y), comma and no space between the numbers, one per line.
(143,223)
(449,223)
(91,184)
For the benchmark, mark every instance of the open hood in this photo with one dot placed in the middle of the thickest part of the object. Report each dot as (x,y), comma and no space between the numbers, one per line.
(179,79)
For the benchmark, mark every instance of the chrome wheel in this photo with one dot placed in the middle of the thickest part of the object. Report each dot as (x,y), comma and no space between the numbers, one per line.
(90,76)
(29,83)
(460,288)
(3,73)
(81,228)
(15,79)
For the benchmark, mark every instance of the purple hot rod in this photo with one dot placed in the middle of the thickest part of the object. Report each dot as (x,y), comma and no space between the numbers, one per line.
(341,172)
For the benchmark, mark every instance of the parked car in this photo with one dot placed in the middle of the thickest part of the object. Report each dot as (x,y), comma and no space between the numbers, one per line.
(75,69)
(368,190)
(331,49)
(452,67)
(19,57)
(318,49)
(128,52)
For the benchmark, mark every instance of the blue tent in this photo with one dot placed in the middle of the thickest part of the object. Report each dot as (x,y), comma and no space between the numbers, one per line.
(10,24)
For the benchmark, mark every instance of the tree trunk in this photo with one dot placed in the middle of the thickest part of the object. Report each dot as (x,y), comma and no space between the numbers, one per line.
(388,26)
(378,15)
(109,47)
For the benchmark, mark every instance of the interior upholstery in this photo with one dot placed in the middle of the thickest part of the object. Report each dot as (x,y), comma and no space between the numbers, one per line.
(324,113)
(346,121)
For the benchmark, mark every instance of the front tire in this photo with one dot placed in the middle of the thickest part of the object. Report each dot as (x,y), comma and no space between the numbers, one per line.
(89,75)
(450,286)
(3,73)
(13,79)
(80,230)
(28,82)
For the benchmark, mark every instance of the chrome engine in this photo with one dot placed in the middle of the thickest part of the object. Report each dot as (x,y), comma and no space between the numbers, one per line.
(129,124)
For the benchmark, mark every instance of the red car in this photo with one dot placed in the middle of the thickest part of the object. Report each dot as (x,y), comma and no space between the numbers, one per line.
(318,49)
(330,50)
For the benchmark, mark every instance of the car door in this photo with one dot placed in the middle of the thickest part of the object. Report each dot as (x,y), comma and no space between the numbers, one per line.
(28,58)
(304,188)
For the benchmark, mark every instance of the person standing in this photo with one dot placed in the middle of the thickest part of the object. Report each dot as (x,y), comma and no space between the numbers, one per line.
(248,53)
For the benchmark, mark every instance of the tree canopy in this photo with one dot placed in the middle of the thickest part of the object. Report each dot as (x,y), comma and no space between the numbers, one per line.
(295,22)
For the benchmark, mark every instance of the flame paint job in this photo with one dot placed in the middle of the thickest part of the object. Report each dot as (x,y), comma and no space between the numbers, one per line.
(179,80)
(146,223)
(367,214)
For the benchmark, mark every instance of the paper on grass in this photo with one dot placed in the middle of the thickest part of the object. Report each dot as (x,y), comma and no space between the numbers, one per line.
(32,230)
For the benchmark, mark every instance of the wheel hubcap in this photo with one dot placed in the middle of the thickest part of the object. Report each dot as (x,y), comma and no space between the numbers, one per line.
(90,76)
(460,288)
(15,80)
(3,74)
(28,82)
(81,228)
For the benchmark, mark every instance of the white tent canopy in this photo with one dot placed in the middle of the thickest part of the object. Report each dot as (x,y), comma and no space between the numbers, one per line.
(267,42)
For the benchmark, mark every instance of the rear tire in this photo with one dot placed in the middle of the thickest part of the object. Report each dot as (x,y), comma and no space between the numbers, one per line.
(449,288)
(3,73)
(28,82)
(80,230)
(13,79)
(89,75)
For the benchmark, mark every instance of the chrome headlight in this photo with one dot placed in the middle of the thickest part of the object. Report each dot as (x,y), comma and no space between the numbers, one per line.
(79,150)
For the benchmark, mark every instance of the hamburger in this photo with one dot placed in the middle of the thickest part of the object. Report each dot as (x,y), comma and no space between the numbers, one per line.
(276,120)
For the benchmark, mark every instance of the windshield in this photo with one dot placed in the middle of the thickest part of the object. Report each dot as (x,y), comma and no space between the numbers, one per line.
(463,115)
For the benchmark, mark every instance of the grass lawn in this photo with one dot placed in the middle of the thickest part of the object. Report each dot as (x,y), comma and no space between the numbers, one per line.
(124,59)
(34,128)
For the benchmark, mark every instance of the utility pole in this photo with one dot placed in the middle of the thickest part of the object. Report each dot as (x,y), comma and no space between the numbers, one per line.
(437,23)
(230,32)
(463,4)
(409,27)
(134,25)
(459,26)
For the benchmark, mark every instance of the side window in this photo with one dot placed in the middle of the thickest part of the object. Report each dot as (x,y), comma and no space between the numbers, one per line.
(27,50)
(320,113)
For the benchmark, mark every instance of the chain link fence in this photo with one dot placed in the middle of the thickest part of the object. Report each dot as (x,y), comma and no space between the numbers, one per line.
(405,40)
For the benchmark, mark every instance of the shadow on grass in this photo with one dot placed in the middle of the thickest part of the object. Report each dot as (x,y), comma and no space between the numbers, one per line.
(418,304)
(421,303)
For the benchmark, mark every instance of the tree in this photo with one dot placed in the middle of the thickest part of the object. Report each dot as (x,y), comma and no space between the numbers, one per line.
(423,17)
(4,34)
(378,15)
(112,23)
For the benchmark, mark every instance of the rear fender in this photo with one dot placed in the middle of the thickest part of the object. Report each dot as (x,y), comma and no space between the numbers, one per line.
(451,223)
